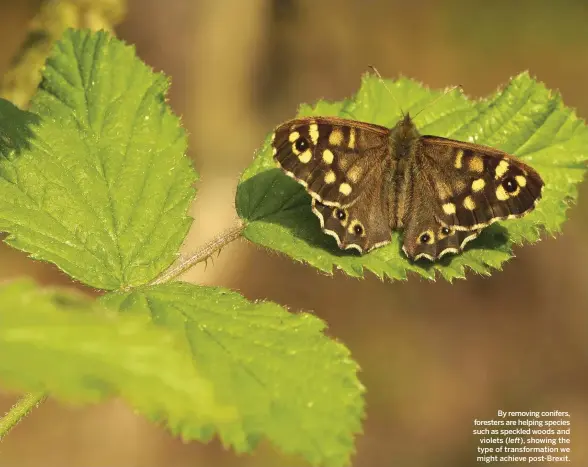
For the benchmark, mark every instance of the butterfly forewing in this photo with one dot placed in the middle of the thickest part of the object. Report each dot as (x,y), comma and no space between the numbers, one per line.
(332,158)
(477,185)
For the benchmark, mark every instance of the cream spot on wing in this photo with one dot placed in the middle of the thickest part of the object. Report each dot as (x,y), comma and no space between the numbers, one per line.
(522,181)
(328,156)
(501,168)
(344,162)
(469,203)
(351,144)
(478,185)
(336,137)
(444,190)
(354,174)
(501,193)
(345,188)
(313,133)
(458,158)
(449,208)
(293,136)
(274,151)
(305,157)
(476,164)
(330,177)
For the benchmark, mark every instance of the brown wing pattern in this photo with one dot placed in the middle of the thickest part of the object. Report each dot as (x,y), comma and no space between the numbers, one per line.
(362,226)
(425,236)
(477,185)
(332,158)
(366,180)
(459,189)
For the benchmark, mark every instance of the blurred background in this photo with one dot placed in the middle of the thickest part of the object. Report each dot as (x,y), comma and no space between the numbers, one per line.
(434,356)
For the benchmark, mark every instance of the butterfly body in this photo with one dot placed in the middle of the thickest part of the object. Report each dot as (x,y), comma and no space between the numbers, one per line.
(367,180)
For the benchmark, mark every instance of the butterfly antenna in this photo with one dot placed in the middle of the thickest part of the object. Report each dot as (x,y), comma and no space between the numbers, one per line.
(447,91)
(375,70)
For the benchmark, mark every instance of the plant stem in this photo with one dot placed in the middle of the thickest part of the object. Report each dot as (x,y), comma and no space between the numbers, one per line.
(202,254)
(19,411)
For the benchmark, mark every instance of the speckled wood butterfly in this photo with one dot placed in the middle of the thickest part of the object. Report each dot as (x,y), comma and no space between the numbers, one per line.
(367,180)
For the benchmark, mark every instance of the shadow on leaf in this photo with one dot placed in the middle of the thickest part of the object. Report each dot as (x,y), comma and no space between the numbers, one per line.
(275,198)
(15,129)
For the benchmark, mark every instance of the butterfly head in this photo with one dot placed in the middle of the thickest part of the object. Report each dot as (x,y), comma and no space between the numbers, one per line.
(406,124)
(404,133)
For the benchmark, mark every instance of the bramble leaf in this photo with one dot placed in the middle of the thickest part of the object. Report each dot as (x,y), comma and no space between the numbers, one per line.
(57,341)
(524,119)
(97,181)
(289,382)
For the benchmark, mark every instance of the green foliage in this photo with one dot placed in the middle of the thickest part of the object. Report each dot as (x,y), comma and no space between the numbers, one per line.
(101,185)
(203,360)
(94,178)
(287,381)
(524,119)
(59,342)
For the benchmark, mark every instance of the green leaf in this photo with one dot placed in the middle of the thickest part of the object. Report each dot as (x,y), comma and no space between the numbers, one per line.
(524,119)
(101,186)
(59,342)
(289,382)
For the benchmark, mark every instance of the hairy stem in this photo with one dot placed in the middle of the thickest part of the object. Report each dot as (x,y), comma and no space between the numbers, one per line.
(19,411)
(202,254)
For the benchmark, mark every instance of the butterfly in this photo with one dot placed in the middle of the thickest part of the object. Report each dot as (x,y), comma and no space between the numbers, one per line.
(368,180)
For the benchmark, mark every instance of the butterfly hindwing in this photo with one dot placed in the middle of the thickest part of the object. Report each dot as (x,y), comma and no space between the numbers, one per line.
(361,227)
(425,237)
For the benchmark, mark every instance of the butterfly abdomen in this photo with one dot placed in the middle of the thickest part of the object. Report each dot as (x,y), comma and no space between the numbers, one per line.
(403,144)
(398,194)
